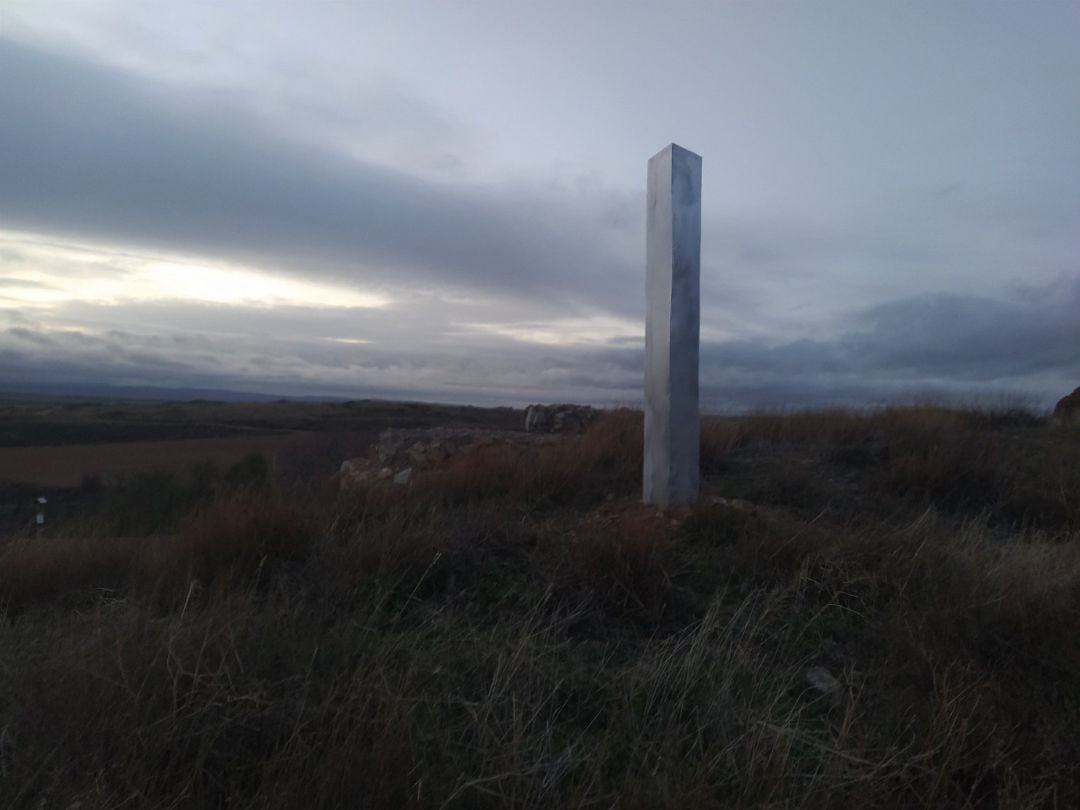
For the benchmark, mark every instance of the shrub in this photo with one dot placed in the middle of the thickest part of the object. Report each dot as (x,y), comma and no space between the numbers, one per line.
(243,537)
(91,485)
(205,480)
(252,471)
(146,503)
(62,571)
(238,539)
(605,460)
(618,559)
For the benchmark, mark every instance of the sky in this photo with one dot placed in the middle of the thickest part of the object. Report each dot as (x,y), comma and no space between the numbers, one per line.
(446,200)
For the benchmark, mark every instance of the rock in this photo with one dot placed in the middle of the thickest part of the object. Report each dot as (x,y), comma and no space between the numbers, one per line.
(823,681)
(1068,408)
(558,418)
(353,466)
(403,476)
(421,449)
(733,503)
(424,448)
(354,472)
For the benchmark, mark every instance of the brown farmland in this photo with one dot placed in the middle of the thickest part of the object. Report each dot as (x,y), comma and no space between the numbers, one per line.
(54,443)
(65,465)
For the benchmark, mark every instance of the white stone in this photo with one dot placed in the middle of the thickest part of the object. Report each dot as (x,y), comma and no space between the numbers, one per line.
(558,418)
(672,326)
(823,681)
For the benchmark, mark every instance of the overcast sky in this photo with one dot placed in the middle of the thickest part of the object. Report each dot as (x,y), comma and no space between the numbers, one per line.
(446,200)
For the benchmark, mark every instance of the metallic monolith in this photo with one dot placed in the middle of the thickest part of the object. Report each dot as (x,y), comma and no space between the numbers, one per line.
(672,322)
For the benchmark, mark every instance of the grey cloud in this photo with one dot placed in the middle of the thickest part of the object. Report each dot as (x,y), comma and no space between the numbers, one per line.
(973,347)
(938,345)
(975,337)
(931,342)
(422,324)
(29,335)
(99,155)
(293,368)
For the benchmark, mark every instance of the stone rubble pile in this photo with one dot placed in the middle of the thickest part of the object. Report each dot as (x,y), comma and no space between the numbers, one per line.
(559,418)
(399,453)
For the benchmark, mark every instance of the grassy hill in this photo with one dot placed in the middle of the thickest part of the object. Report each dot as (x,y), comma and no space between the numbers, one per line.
(863,609)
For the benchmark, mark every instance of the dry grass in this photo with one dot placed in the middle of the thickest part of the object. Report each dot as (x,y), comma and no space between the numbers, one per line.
(605,460)
(236,539)
(619,560)
(516,631)
(46,572)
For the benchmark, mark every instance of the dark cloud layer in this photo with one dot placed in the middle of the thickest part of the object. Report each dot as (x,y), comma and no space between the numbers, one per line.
(947,346)
(94,153)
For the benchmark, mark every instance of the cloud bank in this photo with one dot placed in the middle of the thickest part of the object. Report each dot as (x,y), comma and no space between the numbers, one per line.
(158,233)
(946,346)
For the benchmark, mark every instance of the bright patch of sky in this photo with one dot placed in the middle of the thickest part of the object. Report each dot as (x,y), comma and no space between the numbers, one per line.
(47,274)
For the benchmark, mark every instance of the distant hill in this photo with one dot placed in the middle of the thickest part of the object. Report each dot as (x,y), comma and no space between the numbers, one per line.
(112,392)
